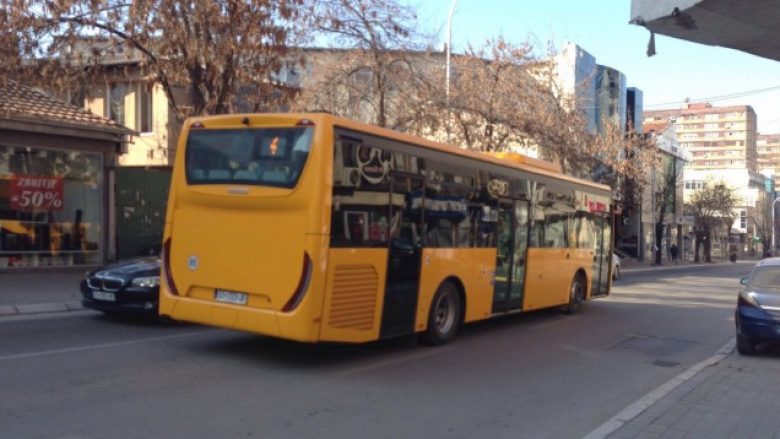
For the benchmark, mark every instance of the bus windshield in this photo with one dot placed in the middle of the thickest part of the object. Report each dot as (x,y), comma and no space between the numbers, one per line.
(264,156)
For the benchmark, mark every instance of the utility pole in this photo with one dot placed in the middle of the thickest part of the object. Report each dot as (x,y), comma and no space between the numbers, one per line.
(447,57)
(774,244)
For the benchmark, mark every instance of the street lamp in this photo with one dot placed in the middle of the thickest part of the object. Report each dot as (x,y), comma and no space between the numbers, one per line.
(773,225)
(447,57)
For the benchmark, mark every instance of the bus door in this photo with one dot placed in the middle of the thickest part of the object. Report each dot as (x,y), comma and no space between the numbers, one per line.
(404,255)
(602,257)
(512,243)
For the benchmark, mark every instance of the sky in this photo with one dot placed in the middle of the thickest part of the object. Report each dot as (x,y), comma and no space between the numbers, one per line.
(679,70)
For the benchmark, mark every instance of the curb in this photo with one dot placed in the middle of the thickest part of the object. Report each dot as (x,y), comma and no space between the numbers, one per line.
(639,406)
(643,269)
(39,308)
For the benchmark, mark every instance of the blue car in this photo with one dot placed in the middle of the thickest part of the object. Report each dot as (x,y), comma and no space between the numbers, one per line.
(758,307)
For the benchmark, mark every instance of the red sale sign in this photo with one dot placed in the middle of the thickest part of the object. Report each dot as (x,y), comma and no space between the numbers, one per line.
(32,192)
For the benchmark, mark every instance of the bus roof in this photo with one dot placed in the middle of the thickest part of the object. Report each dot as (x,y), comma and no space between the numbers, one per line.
(505,159)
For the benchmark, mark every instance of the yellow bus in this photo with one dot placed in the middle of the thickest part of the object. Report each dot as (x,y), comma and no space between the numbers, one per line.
(313,228)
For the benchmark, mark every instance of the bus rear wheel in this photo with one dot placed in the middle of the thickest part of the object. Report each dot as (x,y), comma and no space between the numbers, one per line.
(444,315)
(576,294)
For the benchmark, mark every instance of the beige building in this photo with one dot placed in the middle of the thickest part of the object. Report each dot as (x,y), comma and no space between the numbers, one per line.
(142,106)
(716,137)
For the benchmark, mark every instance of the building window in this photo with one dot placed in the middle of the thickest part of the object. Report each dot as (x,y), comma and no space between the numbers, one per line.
(145,107)
(115,102)
(743,219)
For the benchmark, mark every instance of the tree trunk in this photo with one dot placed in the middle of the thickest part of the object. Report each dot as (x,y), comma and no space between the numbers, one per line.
(659,239)
(697,247)
(707,246)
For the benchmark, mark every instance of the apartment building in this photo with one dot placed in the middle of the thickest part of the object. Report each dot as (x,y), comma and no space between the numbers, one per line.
(716,137)
(768,146)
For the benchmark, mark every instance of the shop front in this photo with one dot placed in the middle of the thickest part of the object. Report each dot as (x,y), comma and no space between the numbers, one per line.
(56,168)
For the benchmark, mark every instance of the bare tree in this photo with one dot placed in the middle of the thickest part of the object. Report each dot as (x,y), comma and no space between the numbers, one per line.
(377,74)
(211,48)
(667,174)
(712,208)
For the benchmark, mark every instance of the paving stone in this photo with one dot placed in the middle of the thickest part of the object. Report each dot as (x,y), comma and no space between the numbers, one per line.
(734,398)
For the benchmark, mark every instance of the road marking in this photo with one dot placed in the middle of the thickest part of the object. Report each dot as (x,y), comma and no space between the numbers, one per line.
(101,346)
(430,352)
(645,402)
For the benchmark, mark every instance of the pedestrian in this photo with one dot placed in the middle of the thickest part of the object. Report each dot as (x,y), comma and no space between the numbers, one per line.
(674,252)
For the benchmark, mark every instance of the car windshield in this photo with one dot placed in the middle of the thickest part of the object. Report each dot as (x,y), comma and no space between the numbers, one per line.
(765,277)
(266,156)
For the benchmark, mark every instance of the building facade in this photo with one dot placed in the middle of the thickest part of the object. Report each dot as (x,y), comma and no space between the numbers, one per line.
(768,147)
(752,227)
(716,137)
(611,99)
(640,229)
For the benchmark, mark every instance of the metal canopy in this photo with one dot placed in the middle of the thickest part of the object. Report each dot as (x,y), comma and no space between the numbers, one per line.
(748,26)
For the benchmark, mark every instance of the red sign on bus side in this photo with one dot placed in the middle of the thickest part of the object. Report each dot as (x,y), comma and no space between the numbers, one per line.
(36,193)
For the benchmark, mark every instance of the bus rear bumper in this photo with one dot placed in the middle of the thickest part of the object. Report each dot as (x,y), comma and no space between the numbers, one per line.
(259,321)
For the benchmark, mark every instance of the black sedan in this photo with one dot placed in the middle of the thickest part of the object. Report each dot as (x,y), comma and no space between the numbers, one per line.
(126,287)
(758,307)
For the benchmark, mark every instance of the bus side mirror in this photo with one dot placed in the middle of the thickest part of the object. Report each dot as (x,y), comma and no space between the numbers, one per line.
(744,280)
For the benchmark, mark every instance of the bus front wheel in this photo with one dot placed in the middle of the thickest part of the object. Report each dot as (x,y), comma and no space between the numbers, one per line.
(576,294)
(444,315)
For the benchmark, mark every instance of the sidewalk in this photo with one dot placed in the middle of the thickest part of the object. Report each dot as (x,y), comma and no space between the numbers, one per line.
(42,292)
(630,265)
(726,396)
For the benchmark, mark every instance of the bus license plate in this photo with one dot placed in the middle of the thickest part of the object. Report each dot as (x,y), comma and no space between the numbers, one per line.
(100,295)
(230,297)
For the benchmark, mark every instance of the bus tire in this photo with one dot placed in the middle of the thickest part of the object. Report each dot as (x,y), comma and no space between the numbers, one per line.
(576,294)
(444,316)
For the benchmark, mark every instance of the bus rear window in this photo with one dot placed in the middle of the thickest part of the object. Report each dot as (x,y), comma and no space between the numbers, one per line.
(262,156)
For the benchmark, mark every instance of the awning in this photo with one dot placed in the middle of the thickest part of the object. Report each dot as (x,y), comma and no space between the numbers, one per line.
(746,26)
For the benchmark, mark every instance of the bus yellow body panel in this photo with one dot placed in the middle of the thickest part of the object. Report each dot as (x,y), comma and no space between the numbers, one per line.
(549,275)
(353,297)
(472,268)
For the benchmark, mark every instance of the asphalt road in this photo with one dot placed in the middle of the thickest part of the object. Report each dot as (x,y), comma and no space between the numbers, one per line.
(541,374)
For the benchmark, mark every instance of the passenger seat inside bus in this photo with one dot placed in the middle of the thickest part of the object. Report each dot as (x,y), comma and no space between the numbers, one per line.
(275,176)
(219,174)
(247,175)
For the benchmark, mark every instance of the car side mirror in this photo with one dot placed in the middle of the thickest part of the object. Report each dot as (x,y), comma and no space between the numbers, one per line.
(744,280)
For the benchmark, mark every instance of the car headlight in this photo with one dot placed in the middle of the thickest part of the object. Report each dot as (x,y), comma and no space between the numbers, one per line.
(146,282)
(749,298)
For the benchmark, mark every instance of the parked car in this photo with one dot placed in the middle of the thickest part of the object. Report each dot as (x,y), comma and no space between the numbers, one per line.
(126,287)
(758,307)
(615,266)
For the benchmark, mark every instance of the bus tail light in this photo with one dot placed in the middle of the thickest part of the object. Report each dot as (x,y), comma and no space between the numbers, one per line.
(305,123)
(167,266)
(303,285)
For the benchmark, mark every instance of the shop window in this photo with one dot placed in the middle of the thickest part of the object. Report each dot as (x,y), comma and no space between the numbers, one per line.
(51,207)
